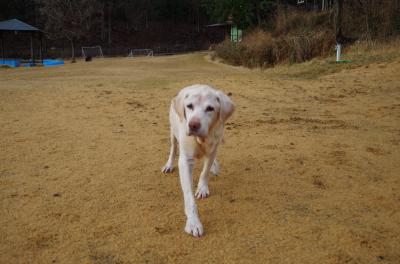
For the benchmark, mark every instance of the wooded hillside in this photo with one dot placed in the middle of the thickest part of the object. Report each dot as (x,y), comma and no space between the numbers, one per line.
(178,25)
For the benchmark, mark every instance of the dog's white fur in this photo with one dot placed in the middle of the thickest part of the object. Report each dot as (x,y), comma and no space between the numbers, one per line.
(197,117)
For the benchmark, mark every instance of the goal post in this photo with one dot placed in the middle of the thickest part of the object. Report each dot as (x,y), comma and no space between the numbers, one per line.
(92,51)
(141,52)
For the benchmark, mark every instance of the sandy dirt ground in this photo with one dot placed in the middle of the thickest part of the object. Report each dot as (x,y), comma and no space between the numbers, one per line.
(309,170)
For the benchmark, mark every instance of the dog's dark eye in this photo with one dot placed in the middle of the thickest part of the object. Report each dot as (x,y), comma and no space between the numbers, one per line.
(190,106)
(209,109)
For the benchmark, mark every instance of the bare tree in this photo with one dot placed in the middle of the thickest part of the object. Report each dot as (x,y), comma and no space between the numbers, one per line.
(257,4)
(196,13)
(69,19)
(338,20)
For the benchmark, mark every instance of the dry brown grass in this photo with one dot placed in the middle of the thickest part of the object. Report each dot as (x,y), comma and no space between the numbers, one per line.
(309,169)
(370,47)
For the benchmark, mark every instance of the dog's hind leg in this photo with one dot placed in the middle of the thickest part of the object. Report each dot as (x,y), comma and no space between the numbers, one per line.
(169,166)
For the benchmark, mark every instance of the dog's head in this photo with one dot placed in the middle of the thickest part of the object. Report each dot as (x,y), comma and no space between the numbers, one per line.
(201,108)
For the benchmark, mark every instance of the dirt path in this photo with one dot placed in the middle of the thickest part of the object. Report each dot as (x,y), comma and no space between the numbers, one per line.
(310,168)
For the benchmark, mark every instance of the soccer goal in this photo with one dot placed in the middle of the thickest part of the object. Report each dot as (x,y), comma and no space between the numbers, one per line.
(94,51)
(140,52)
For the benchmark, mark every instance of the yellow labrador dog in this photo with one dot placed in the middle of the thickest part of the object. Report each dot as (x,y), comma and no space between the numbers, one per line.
(197,116)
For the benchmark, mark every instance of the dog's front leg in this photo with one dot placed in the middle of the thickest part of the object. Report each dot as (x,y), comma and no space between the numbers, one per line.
(202,187)
(193,224)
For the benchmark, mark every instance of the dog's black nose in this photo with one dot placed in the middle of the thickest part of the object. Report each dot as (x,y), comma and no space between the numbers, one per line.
(194,125)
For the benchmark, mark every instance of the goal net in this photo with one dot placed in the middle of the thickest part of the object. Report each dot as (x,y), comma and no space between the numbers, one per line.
(94,51)
(140,52)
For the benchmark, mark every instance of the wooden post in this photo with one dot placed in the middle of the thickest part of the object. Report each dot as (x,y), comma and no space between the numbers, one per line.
(41,47)
(32,50)
(2,47)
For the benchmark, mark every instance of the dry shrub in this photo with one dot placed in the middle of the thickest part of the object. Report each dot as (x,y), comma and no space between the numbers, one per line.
(258,49)
(229,52)
(261,49)
(298,37)
(307,46)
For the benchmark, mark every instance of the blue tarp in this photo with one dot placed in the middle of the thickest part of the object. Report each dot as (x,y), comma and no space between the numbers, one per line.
(16,63)
(52,62)
(10,62)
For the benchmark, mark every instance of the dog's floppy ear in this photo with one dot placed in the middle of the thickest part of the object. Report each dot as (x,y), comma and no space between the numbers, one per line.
(177,103)
(226,106)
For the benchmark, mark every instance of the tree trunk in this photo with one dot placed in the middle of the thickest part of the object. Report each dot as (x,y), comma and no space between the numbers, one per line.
(109,24)
(147,20)
(147,15)
(367,25)
(258,12)
(195,14)
(198,18)
(73,50)
(365,8)
(338,20)
(282,7)
(102,24)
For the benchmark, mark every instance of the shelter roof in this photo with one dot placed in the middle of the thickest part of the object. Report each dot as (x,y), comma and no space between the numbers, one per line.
(16,25)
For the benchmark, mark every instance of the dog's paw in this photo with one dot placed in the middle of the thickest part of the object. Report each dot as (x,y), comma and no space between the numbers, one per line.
(194,227)
(168,168)
(215,168)
(202,192)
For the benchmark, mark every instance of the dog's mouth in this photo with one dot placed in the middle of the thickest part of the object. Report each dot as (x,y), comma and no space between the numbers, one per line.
(197,134)
(192,133)
(201,140)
